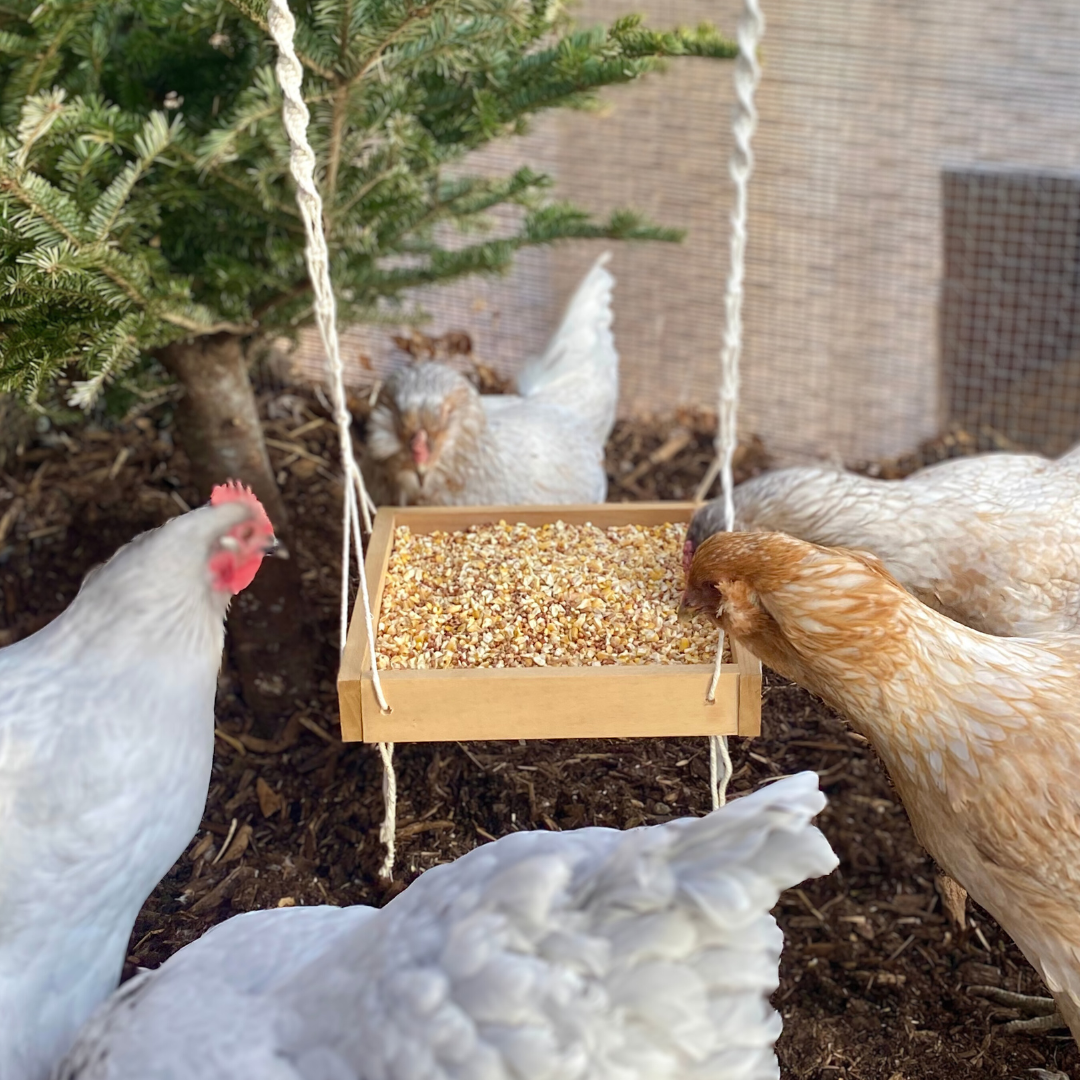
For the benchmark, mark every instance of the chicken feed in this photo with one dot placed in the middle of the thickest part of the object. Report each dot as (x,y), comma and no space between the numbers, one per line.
(523,596)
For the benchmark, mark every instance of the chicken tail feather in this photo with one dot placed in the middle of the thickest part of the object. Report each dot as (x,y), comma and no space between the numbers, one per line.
(579,370)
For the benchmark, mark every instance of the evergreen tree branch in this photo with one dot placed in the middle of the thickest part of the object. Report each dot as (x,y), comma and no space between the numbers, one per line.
(39,113)
(120,232)
(49,55)
(12,185)
(202,329)
(156,135)
(286,297)
(257,14)
(95,257)
(337,133)
(376,55)
(551,224)
(119,349)
(341,94)
(344,32)
(242,189)
(340,100)
(220,144)
(359,195)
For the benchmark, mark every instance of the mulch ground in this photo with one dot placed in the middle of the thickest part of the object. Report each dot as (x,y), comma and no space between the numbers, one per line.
(873,973)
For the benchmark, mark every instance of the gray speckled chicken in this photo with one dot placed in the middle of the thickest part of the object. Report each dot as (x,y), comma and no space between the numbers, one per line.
(991,541)
(434,441)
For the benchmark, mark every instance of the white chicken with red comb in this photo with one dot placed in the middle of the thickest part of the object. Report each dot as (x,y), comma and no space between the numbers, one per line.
(433,440)
(106,742)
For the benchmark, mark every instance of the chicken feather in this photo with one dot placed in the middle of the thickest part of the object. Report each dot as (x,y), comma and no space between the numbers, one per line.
(584,955)
(992,541)
(980,734)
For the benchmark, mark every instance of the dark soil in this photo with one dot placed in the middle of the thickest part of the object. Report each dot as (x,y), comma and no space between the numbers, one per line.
(873,974)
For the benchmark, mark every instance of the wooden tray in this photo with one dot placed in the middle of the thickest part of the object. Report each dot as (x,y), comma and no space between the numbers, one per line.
(616,700)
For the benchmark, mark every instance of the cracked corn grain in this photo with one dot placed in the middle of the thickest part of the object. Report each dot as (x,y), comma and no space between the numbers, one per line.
(522,596)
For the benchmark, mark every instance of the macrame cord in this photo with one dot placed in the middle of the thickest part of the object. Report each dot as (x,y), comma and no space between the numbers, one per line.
(747,77)
(357,503)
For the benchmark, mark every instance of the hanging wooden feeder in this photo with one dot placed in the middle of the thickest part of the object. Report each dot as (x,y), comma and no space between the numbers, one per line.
(550,702)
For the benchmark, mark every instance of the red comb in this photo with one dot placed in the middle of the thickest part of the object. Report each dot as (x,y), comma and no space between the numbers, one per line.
(235,491)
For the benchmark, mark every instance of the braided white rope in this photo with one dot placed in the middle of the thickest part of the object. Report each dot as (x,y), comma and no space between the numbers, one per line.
(357,502)
(747,77)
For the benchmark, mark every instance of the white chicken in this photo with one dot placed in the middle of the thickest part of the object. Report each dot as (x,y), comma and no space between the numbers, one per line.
(584,954)
(106,740)
(433,440)
(991,541)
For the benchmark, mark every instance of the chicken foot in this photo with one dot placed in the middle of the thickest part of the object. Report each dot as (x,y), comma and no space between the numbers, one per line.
(1042,1013)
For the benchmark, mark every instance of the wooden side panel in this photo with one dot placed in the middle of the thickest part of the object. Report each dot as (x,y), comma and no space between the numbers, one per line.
(557,703)
(426,519)
(355,659)
(352,728)
(749,689)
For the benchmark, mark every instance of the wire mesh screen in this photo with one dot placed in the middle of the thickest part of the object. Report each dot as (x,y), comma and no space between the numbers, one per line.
(1010,314)
(913,227)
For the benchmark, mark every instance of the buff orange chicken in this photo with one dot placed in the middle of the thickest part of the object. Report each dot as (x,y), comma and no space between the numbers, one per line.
(980,734)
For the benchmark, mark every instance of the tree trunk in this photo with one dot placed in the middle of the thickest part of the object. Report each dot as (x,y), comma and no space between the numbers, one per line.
(218,425)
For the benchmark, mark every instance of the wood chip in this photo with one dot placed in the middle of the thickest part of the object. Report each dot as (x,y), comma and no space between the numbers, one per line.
(421,827)
(118,464)
(907,942)
(228,840)
(238,846)
(223,890)
(10,517)
(954,898)
(234,742)
(270,802)
(303,429)
(315,729)
(202,847)
(300,451)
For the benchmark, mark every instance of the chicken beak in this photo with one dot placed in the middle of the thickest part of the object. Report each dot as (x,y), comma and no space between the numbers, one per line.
(420,448)
(276,549)
(687,611)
